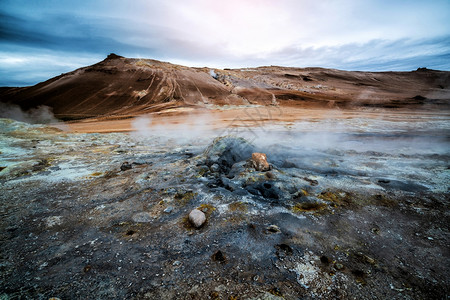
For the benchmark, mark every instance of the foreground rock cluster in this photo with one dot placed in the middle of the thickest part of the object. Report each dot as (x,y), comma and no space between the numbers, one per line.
(111,216)
(234,169)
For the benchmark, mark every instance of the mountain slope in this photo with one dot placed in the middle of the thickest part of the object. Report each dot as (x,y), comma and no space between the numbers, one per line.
(121,87)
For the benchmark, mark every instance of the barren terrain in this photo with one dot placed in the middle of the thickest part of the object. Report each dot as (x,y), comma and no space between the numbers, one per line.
(355,204)
(120,87)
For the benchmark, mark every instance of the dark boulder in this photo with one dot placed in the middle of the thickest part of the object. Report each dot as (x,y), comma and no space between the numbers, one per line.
(126,166)
(226,151)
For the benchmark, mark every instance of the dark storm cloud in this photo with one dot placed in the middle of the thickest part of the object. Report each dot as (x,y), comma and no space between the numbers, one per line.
(13,31)
(36,48)
(41,39)
(73,34)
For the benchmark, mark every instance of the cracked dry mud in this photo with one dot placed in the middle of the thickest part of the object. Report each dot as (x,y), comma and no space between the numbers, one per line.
(361,213)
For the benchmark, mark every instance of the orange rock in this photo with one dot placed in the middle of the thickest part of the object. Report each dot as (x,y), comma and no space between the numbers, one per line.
(259,162)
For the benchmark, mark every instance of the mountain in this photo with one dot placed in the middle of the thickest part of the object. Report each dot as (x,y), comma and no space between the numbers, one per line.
(123,87)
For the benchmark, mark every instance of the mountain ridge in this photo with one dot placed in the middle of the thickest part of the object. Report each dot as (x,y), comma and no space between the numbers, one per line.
(121,87)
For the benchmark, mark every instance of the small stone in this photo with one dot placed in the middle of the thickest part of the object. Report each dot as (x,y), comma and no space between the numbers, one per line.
(126,166)
(338,266)
(273,229)
(142,217)
(197,218)
(168,209)
(270,175)
(215,168)
(259,162)
(202,170)
(53,221)
(283,250)
(176,263)
(375,230)
(369,259)
(312,182)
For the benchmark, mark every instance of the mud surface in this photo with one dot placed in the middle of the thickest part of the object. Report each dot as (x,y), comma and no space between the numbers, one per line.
(351,209)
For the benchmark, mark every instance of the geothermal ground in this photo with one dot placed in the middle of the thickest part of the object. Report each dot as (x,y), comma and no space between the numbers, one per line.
(355,206)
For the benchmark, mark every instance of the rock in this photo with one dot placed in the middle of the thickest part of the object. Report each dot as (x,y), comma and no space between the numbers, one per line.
(168,209)
(41,165)
(365,258)
(142,217)
(229,184)
(273,229)
(259,162)
(312,182)
(283,250)
(197,218)
(53,221)
(226,151)
(176,263)
(202,170)
(270,175)
(369,259)
(238,169)
(265,189)
(215,168)
(126,166)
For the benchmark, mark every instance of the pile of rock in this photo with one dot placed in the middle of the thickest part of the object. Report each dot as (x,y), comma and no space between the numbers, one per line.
(232,165)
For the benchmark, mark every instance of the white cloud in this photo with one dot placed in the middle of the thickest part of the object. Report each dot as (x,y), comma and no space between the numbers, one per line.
(28,67)
(53,37)
(10,61)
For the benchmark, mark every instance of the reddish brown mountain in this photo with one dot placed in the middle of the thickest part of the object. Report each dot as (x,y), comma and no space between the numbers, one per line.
(121,87)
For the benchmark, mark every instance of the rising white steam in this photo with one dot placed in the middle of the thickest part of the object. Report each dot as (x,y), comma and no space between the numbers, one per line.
(183,129)
(39,115)
(142,126)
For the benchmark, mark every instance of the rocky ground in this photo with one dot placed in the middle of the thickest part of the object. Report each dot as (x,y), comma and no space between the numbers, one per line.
(349,208)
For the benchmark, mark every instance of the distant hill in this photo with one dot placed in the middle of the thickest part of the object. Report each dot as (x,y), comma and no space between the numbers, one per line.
(122,87)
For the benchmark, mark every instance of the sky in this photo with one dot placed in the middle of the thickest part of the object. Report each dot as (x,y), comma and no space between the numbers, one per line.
(40,39)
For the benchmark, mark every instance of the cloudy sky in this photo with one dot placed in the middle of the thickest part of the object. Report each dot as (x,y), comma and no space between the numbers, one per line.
(40,39)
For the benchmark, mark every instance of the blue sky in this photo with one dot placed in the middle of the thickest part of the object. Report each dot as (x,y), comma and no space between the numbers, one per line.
(40,39)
